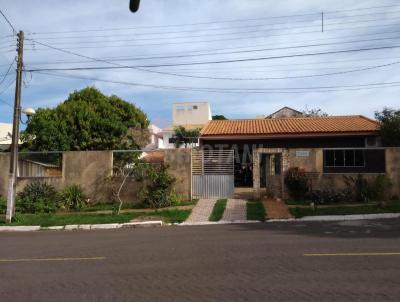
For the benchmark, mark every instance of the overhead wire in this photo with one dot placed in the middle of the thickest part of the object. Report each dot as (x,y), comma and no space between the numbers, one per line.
(215,40)
(8,22)
(255,50)
(205,51)
(119,66)
(235,90)
(86,41)
(220,21)
(7,73)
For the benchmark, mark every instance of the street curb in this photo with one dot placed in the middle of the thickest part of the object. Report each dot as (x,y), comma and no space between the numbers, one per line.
(339,217)
(217,222)
(350,217)
(142,224)
(22,228)
(73,227)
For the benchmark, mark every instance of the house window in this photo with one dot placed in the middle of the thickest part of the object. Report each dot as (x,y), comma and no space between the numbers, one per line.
(366,160)
(373,141)
(344,158)
(172,140)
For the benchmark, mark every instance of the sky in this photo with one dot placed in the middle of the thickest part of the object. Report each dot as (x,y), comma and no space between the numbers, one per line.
(246,58)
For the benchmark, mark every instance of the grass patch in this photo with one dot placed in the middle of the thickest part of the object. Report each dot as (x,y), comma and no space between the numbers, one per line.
(218,210)
(298,202)
(172,216)
(45,220)
(391,207)
(255,210)
(125,206)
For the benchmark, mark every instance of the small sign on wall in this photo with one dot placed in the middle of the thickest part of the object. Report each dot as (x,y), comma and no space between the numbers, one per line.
(302,153)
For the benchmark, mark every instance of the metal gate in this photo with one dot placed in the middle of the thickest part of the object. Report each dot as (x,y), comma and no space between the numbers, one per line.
(212,173)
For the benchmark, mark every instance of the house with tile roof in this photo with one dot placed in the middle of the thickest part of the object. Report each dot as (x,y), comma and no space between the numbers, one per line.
(326,148)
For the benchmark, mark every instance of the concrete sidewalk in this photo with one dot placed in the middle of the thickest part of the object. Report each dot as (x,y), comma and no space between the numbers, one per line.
(202,211)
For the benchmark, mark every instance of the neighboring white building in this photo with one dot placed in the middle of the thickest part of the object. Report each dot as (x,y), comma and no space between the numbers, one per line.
(190,115)
(156,138)
(5,135)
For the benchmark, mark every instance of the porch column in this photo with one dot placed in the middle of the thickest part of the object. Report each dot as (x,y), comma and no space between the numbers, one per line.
(256,174)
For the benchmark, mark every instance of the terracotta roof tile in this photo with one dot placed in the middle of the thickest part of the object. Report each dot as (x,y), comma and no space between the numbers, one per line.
(292,125)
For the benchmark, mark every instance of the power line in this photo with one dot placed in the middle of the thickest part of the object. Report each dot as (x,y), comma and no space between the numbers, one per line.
(206,30)
(6,103)
(215,22)
(217,40)
(7,72)
(8,21)
(118,66)
(207,35)
(130,58)
(257,50)
(7,87)
(279,78)
(239,90)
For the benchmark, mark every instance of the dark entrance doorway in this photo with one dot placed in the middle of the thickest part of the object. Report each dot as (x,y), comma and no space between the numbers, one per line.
(244,169)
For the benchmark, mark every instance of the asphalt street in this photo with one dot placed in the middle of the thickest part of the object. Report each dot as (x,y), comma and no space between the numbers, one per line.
(291,261)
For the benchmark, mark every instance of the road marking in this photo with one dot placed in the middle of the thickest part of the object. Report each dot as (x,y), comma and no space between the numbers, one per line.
(353,254)
(52,259)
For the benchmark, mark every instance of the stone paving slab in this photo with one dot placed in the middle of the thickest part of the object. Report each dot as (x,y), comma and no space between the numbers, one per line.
(202,211)
(235,210)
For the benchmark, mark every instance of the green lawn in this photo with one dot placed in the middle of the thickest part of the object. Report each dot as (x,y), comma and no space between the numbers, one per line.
(297,202)
(255,210)
(114,206)
(173,216)
(391,207)
(44,220)
(218,210)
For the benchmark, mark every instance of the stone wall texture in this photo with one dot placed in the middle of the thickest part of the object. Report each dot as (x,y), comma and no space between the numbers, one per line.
(92,170)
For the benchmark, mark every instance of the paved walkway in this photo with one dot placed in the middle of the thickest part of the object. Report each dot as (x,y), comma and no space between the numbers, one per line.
(202,211)
(235,210)
(276,209)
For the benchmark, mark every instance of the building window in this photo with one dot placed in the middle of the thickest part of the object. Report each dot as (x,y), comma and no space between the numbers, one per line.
(344,158)
(195,107)
(180,108)
(373,141)
(172,140)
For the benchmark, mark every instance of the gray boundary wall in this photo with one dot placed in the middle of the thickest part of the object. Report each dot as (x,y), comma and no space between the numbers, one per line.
(90,169)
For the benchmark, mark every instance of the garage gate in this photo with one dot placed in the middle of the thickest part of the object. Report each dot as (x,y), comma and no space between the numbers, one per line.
(212,173)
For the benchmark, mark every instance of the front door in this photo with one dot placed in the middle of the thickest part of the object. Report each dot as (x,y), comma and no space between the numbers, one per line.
(273,180)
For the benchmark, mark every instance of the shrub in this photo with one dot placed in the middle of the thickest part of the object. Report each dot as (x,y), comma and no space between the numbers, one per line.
(72,198)
(3,205)
(159,192)
(364,190)
(379,187)
(37,197)
(330,196)
(297,183)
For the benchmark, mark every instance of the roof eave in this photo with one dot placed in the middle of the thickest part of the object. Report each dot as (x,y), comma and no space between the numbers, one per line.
(297,135)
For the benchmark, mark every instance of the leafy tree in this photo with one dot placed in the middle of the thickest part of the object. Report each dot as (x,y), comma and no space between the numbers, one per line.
(87,120)
(389,120)
(219,117)
(185,136)
(313,112)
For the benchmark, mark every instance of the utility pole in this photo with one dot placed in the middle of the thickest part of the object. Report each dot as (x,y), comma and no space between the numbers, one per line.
(12,177)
